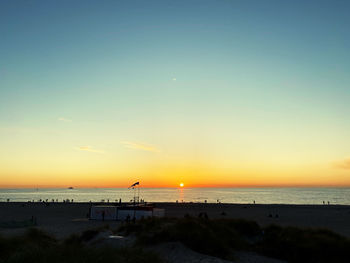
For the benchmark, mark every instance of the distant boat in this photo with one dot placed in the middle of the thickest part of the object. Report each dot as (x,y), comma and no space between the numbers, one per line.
(71,187)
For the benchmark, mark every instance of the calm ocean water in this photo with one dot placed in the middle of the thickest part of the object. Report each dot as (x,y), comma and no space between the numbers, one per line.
(224,195)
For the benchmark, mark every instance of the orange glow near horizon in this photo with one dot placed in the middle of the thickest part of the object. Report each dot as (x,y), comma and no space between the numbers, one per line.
(194,177)
(156,171)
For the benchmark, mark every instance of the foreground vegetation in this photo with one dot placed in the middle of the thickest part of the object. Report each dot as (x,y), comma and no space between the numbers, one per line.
(222,237)
(219,237)
(37,246)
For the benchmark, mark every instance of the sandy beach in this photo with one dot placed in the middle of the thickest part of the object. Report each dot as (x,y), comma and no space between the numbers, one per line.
(64,219)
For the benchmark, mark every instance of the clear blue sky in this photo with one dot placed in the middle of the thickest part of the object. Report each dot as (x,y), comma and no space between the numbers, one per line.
(241,81)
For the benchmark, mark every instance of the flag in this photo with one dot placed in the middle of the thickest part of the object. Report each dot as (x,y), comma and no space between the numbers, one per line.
(133,185)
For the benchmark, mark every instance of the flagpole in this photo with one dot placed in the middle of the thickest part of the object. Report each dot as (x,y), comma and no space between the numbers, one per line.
(138,193)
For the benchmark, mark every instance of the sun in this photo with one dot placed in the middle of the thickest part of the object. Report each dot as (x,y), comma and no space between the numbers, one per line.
(181,184)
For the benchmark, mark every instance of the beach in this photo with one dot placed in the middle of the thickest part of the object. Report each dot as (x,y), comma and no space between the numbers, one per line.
(64,219)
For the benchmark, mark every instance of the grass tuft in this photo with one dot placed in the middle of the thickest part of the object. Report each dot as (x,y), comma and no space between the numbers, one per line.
(304,245)
(213,237)
(37,246)
(221,237)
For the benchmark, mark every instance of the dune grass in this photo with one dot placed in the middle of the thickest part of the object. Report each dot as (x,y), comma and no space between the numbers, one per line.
(304,245)
(218,237)
(213,237)
(37,246)
(221,237)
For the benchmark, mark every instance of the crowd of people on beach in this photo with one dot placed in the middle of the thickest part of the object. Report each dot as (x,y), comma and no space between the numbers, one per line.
(120,201)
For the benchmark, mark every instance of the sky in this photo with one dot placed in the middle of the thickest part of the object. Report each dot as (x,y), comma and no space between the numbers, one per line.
(207,93)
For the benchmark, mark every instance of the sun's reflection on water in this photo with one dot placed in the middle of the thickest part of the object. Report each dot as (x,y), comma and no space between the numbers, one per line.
(181,194)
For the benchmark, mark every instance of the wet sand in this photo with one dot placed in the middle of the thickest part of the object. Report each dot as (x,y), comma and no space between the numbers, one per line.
(64,219)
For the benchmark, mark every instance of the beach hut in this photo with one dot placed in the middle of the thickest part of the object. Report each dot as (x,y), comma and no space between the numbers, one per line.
(130,212)
(103,212)
(100,212)
(138,212)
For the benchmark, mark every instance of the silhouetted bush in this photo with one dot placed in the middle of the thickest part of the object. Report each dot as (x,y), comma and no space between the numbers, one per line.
(213,237)
(304,245)
(36,246)
(89,234)
(221,237)
(196,234)
(244,227)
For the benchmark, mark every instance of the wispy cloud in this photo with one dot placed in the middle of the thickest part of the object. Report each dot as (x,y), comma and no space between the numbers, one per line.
(343,164)
(140,146)
(89,149)
(64,119)
(26,130)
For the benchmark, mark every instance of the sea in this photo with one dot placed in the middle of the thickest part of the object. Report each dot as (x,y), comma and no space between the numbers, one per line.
(335,196)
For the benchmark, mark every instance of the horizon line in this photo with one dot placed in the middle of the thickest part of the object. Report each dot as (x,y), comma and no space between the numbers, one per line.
(175,187)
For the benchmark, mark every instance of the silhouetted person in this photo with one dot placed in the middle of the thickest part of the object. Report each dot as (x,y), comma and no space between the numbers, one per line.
(205,215)
(103,215)
(89,213)
(127,218)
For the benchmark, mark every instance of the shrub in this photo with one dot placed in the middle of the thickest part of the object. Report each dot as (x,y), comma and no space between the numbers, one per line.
(37,246)
(212,237)
(304,245)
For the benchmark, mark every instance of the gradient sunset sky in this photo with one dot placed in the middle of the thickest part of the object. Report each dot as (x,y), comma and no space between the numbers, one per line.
(208,93)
